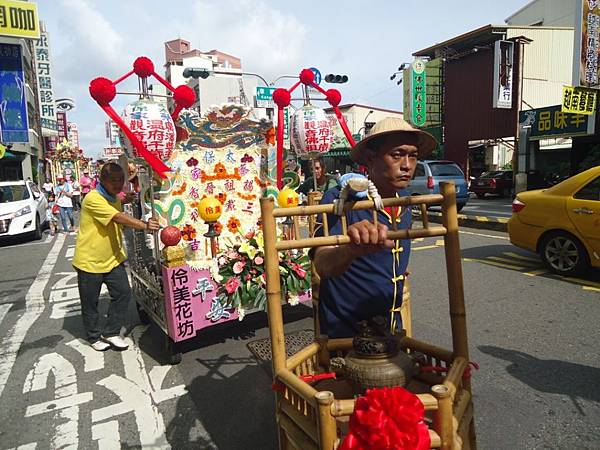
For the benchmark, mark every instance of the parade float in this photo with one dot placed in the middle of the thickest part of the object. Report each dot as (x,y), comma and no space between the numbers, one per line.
(68,160)
(202,177)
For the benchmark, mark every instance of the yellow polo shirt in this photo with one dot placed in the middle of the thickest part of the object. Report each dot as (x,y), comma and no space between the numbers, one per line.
(99,247)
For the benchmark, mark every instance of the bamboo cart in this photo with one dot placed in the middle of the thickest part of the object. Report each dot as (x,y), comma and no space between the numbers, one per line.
(315,416)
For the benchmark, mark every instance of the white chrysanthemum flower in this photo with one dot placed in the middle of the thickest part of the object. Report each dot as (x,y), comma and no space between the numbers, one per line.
(294,299)
(241,313)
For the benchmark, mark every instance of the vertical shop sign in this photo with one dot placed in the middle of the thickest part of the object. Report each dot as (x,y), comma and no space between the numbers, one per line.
(503,74)
(419,96)
(45,89)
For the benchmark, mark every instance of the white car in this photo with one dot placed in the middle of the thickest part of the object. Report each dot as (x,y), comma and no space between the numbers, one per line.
(22,209)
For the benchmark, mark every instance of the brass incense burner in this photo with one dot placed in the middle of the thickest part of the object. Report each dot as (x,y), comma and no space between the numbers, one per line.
(375,360)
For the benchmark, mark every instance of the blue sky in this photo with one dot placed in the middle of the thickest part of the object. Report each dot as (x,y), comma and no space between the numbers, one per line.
(367,40)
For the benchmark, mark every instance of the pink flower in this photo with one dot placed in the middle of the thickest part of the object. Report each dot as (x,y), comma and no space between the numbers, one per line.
(238,267)
(222,260)
(248,277)
(259,260)
(249,234)
(297,268)
(232,285)
(232,254)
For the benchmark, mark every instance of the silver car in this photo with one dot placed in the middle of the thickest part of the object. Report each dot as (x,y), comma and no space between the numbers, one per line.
(429,174)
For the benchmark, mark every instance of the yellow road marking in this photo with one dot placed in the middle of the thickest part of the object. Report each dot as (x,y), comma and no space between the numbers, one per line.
(493,263)
(525,258)
(510,261)
(589,288)
(425,247)
(582,282)
(534,273)
(481,219)
(418,240)
(439,242)
(483,235)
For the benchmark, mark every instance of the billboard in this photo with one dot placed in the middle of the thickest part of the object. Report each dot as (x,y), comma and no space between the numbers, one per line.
(45,89)
(503,74)
(587,44)
(434,92)
(13,104)
(418,105)
(19,19)
(61,121)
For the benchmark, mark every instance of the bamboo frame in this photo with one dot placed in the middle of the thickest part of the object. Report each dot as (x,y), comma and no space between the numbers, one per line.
(307,416)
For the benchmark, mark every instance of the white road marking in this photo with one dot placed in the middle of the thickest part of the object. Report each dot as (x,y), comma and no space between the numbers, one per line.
(70,252)
(92,360)
(66,400)
(31,446)
(34,306)
(4,308)
(64,309)
(139,393)
(62,295)
(107,435)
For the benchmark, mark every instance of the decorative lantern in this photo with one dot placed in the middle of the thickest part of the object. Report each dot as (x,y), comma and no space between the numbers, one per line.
(311,132)
(287,198)
(152,124)
(210,210)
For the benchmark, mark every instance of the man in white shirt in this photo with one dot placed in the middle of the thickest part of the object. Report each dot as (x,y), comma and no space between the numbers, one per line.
(64,194)
(48,187)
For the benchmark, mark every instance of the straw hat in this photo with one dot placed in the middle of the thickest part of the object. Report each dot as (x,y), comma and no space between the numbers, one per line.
(389,126)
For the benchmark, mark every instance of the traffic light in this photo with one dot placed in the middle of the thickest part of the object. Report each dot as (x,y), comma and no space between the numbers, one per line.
(195,73)
(333,78)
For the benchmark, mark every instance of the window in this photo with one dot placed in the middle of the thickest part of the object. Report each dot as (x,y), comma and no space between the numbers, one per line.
(445,170)
(419,171)
(590,191)
(13,193)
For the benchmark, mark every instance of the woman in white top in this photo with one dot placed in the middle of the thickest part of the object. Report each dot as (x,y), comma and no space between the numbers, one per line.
(64,194)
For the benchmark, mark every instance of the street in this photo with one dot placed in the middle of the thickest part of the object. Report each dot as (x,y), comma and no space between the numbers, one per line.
(533,335)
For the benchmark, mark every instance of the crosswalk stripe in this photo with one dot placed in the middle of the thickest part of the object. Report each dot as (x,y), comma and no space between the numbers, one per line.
(3,310)
(524,258)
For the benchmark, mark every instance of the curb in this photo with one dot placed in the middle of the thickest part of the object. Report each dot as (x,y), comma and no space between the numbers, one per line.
(482,222)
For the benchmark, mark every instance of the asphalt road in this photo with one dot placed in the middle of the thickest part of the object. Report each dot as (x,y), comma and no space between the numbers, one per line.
(489,206)
(533,334)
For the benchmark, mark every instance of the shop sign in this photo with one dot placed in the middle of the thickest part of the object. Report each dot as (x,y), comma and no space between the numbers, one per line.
(45,89)
(503,74)
(264,97)
(586,67)
(61,125)
(551,122)
(419,94)
(19,19)
(13,105)
(578,100)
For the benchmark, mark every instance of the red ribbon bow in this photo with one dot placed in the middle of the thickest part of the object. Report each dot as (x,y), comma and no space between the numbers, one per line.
(387,419)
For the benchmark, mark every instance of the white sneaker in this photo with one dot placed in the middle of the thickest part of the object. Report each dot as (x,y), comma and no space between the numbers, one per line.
(116,341)
(100,346)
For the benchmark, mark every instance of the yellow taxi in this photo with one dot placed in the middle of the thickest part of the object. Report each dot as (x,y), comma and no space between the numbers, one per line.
(561,223)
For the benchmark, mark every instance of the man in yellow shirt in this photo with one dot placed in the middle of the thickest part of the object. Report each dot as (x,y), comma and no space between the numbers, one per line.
(99,258)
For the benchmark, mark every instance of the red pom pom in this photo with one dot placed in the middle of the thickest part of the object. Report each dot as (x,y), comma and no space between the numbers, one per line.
(102,90)
(282,97)
(170,235)
(181,134)
(333,97)
(307,76)
(184,96)
(143,67)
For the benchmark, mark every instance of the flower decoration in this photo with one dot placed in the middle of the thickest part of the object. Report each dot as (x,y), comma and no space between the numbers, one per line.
(242,266)
(233,225)
(192,162)
(270,136)
(222,197)
(188,233)
(218,227)
(247,158)
(387,419)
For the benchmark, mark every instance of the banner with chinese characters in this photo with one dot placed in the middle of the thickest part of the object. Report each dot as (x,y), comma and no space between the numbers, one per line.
(551,122)
(579,100)
(191,303)
(220,157)
(45,89)
(586,66)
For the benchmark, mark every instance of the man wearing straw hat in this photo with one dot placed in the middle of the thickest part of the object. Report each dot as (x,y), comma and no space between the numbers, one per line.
(365,278)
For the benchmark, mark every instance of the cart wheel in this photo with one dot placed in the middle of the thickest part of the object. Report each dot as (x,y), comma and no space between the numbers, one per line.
(144,317)
(174,357)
